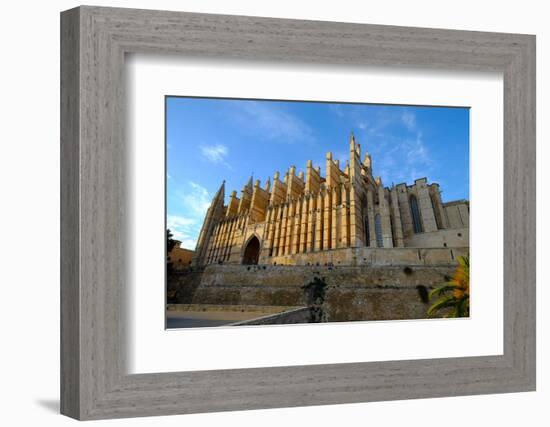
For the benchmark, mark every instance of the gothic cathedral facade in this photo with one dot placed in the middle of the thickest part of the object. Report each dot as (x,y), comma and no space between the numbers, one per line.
(315,219)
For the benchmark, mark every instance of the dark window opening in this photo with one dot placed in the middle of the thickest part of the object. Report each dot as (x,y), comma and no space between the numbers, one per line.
(392,229)
(438,221)
(367,232)
(415,212)
(378,230)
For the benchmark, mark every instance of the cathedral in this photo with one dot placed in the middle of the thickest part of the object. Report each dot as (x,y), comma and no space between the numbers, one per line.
(346,217)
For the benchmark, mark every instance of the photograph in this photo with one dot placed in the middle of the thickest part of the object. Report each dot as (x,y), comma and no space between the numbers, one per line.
(288,212)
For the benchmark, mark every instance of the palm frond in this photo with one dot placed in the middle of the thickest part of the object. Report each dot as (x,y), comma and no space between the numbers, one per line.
(441,304)
(442,289)
(463,308)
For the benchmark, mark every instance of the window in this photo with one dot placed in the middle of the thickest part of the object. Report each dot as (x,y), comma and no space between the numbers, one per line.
(378,230)
(417,223)
(436,213)
(367,232)
(394,243)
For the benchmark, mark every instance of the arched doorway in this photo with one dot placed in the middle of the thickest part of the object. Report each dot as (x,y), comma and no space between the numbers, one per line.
(252,251)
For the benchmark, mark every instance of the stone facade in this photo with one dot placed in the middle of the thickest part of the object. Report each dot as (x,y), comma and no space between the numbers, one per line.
(180,257)
(309,218)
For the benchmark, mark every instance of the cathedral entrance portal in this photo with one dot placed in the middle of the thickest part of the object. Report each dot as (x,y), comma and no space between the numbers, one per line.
(252,251)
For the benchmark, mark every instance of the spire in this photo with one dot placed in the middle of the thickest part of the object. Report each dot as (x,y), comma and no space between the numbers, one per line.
(352,142)
(220,195)
(250,184)
(213,215)
(367,161)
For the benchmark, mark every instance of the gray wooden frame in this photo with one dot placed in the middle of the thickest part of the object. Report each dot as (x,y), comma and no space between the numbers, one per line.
(94,41)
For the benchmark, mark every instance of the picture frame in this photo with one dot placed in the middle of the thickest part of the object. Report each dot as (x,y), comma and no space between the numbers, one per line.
(94,380)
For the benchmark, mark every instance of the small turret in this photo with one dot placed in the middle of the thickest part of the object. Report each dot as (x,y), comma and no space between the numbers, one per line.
(352,143)
(367,162)
(249,184)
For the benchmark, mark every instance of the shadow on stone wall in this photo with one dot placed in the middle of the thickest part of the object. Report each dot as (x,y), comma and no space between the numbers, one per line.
(315,294)
(334,294)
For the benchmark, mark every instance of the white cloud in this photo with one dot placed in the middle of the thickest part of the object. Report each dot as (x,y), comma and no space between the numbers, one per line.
(417,152)
(196,201)
(274,123)
(179,221)
(185,220)
(183,229)
(399,159)
(409,120)
(215,153)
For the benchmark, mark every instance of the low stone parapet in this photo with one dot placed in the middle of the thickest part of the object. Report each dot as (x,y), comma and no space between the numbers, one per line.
(297,315)
(373,257)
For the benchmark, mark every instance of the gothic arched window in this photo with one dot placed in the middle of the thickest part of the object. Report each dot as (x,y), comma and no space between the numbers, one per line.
(417,222)
(378,229)
(367,232)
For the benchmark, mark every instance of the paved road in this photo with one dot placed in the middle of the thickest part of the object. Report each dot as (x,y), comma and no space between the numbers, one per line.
(193,322)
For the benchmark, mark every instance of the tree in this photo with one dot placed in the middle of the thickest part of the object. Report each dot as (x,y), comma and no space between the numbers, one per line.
(454,296)
(170,243)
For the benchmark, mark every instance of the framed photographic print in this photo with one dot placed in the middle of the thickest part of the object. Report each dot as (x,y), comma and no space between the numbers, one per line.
(261,213)
(319,244)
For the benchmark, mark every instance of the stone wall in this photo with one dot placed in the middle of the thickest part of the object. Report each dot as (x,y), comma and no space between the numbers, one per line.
(352,292)
(451,238)
(458,213)
(377,256)
(180,257)
(181,286)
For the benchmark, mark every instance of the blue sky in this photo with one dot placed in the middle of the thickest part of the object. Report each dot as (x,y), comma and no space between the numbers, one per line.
(209,140)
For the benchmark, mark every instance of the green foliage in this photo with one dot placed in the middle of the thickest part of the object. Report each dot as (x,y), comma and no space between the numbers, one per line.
(454,296)
(170,243)
(315,293)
